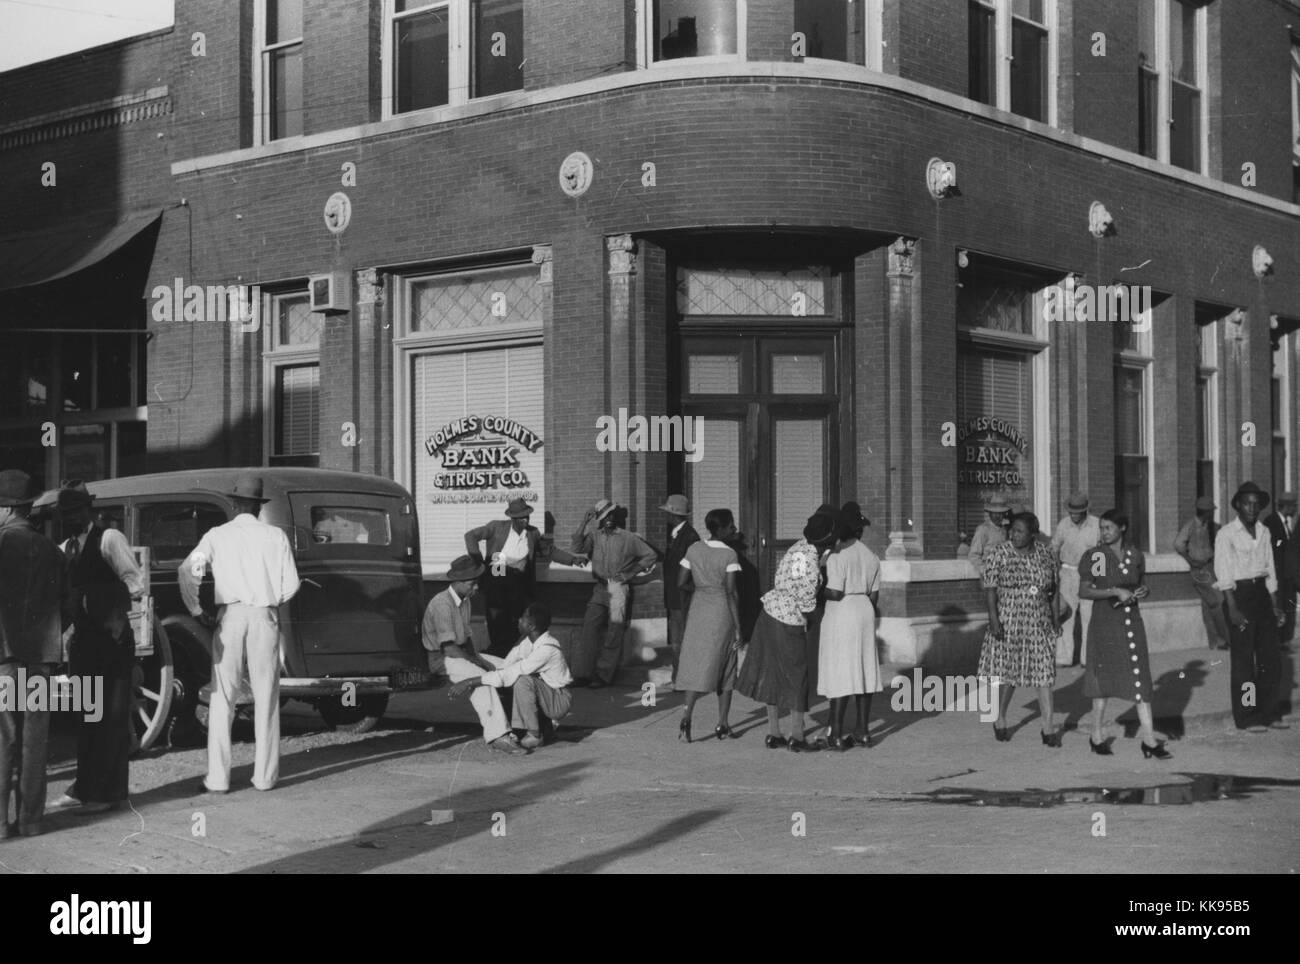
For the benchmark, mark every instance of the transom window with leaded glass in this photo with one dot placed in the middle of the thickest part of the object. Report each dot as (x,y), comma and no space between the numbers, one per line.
(996,303)
(712,290)
(505,297)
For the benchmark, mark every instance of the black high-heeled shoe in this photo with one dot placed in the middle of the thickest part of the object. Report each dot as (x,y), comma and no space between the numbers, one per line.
(799,746)
(1002,733)
(722,732)
(774,742)
(1051,739)
(1101,749)
(684,731)
(1158,751)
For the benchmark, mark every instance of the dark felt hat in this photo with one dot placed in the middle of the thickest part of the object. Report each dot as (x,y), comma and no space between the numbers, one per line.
(518,509)
(16,488)
(1246,489)
(464,569)
(248,486)
(73,495)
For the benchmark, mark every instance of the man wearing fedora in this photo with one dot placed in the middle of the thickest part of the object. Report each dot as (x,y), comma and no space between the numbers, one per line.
(510,572)
(1195,543)
(1243,563)
(254,574)
(989,534)
(1286,558)
(31,602)
(616,557)
(681,535)
(446,636)
(1078,532)
(103,580)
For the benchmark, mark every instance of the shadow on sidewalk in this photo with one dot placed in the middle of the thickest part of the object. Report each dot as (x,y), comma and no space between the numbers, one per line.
(409,835)
(678,827)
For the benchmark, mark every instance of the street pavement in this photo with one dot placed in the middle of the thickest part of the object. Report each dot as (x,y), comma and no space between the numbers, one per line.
(618,792)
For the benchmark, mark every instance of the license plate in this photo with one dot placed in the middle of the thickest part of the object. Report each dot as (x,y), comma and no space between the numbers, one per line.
(407,677)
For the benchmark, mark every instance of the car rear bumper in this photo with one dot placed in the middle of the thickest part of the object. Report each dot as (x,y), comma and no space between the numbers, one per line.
(309,687)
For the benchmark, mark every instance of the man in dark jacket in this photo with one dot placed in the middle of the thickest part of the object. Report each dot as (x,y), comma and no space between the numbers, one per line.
(681,535)
(1286,558)
(32,585)
(510,571)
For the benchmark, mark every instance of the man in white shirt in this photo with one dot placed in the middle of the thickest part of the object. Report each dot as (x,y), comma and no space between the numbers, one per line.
(537,674)
(254,574)
(1075,534)
(1243,564)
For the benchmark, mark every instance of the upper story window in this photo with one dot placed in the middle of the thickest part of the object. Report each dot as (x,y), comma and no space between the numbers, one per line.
(1171,78)
(674,29)
(451,51)
(1013,60)
(278,67)
(844,30)
(1295,121)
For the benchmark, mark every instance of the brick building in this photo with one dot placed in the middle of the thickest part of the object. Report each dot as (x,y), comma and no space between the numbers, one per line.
(834,229)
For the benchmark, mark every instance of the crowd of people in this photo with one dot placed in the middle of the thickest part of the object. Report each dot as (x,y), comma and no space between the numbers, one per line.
(812,632)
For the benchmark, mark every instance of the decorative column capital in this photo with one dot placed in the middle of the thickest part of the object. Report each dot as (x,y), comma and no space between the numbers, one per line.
(543,255)
(370,287)
(902,253)
(622,254)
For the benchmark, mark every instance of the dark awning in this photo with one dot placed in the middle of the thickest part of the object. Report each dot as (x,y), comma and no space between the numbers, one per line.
(34,259)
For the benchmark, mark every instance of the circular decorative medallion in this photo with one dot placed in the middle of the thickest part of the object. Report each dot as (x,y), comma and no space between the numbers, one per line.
(575,174)
(338,212)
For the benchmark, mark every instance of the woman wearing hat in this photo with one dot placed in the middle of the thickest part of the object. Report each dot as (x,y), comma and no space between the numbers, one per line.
(847,663)
(776,661)
(712,637)
(1113,575)
(1019,648)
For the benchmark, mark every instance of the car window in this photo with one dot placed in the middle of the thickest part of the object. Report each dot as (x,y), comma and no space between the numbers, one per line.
(173,529)
(111,516)
(350,524)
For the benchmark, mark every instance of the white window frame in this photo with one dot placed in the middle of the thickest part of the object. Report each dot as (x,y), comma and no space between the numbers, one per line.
(873,20)
(1039,346)
(1282,365)
(1143,359)
(1165,85)
(276,356)
(261,73)
(460,57)
(1002,30)
(645,39)
(409,344)
(1209,367)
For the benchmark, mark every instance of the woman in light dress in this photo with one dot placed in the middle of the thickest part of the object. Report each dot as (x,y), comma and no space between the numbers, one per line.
(847,663)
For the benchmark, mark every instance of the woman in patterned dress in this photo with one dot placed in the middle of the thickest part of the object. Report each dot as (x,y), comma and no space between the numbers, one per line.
(1020,645)
(1117,664)
(776,660)
(847,663)
(713,627)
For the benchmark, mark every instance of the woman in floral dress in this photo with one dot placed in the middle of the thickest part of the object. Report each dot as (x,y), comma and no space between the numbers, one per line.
(1019,649)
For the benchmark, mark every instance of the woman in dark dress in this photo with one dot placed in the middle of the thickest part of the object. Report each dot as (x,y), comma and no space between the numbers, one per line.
(1113,575)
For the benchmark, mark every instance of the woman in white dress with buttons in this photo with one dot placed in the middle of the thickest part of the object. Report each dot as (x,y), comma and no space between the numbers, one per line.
(847,664)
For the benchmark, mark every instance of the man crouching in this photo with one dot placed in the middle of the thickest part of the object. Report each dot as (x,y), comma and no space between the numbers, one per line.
(538,676)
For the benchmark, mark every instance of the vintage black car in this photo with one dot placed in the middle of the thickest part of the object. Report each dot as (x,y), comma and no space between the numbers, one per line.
(349,638)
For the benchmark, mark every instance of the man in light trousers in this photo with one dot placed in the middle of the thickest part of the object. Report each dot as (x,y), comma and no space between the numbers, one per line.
(254,572)
(1075,534)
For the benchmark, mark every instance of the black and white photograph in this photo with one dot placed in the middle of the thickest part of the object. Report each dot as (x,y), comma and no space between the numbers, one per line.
(652,437)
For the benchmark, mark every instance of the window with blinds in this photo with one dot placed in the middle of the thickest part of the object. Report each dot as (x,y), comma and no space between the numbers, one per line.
(714,481)
(997,386)
(799,462)
(297,410)
(495,383)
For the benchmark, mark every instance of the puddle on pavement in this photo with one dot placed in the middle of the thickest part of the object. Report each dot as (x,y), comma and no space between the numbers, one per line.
(1194,788)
